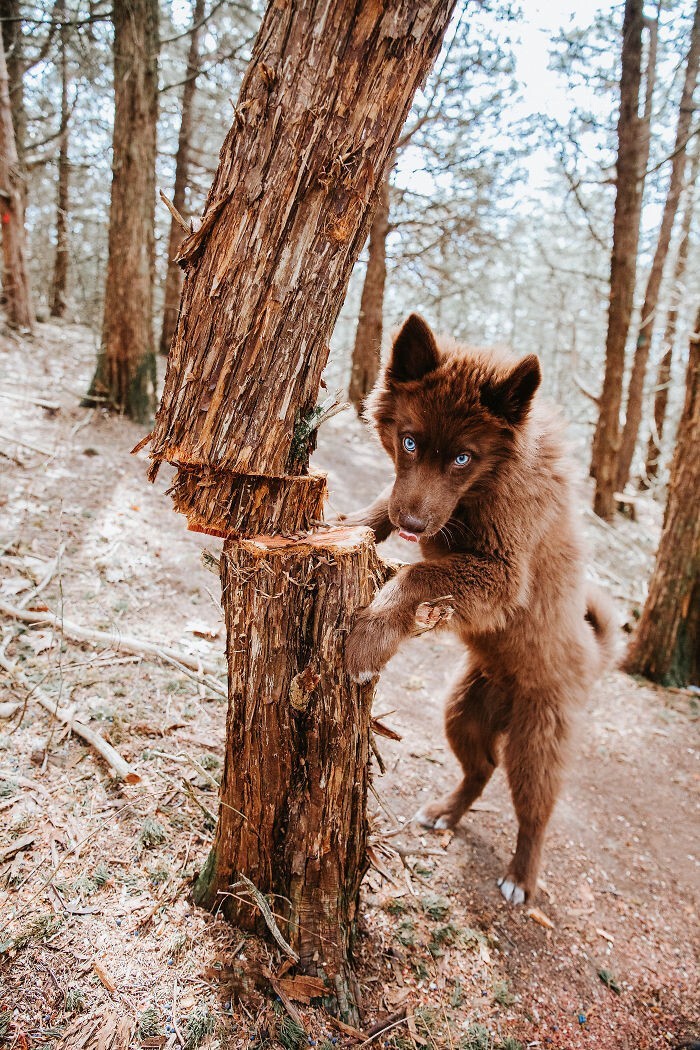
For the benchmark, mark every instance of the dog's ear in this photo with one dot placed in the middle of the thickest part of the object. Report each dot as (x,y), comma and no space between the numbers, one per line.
(510,396)
(414,352)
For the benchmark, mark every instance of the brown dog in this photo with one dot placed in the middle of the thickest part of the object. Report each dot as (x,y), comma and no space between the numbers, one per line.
(482,484)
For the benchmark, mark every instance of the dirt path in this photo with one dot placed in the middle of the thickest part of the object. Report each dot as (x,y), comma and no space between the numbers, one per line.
(622,866)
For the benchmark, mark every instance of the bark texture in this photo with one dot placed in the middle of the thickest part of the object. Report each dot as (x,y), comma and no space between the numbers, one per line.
(663,371)
(59,283)
(222,503)
(125,373)
(173,276)
(366,354)
(635,390)
(295,780)
(15,277)
(666,644)
(320,110)
(623,265)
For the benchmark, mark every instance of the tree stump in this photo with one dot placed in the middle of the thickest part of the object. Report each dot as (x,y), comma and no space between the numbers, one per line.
(295,779)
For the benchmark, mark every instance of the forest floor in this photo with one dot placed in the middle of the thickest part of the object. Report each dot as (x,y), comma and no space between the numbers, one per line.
(99,944)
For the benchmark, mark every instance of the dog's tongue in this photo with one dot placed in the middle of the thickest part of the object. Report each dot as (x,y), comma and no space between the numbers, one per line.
(410,536)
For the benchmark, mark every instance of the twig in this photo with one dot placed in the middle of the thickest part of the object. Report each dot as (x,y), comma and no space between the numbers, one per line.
(119,765)
(108,638)
(250,887)
(177,1031)
(174,212)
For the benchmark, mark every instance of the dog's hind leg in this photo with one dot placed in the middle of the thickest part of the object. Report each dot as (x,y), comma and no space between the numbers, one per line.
(533,758)
(471,724)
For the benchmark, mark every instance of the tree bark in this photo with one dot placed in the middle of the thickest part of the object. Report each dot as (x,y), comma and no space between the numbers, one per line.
(366,354)
(623,265)
(173,276)
(15,276)
(59,283)
(635,390)
(666,644)
(663,372)
(315,127)
(299,734)
(125,374)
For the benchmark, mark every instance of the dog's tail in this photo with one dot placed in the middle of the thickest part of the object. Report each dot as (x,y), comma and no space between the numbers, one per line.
(601,616)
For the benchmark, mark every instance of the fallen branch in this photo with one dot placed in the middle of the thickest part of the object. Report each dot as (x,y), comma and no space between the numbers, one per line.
(23,444)
(52,406)
(109,638)
(114,760)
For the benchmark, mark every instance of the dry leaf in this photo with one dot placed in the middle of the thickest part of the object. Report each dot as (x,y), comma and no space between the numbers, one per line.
(302,989)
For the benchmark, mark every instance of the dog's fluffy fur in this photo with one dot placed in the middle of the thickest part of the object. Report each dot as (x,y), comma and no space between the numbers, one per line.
(501,547)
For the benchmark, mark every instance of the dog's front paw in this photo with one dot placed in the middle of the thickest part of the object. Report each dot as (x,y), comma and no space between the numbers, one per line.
(362,658)
(513,892)
(437,815)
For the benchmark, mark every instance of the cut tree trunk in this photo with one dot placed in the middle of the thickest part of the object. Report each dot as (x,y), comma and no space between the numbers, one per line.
(635,390)
(15,276)
(366,354)
(300,741)
(173,276)
(663,372)
(59,284)
(666,644)
(126,369)
(315,127)
(623,265)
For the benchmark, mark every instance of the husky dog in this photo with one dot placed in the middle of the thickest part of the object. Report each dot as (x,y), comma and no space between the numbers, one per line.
(483,485)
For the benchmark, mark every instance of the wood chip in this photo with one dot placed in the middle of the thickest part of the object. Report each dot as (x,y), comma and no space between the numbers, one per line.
(103,975)
(604,933)
(540,917)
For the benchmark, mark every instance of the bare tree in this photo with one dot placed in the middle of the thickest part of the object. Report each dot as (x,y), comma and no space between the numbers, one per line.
(317,121)
(173,277)
(666,644)
(635,390)
(368,334)
(623,266)
(57,297)
(663,372)
(125,374)
(15,277)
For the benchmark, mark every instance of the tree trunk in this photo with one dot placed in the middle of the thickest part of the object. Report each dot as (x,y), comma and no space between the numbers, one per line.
(15,277)
(666,644)
(11,19)
(628,203)
(319,114)
(366,354)
(635,391)
(663,372)
(57,298)
(299,734)
(173,276)
(126,372)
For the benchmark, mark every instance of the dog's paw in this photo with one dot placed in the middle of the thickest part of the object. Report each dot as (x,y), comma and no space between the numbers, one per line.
(433,816)
(512,891)
(361,658)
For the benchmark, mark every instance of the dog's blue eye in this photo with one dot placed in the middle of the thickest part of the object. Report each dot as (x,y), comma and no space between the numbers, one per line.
(462,459)
(409,444)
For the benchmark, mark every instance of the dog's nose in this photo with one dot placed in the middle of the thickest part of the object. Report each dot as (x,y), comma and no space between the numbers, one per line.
(412,524)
